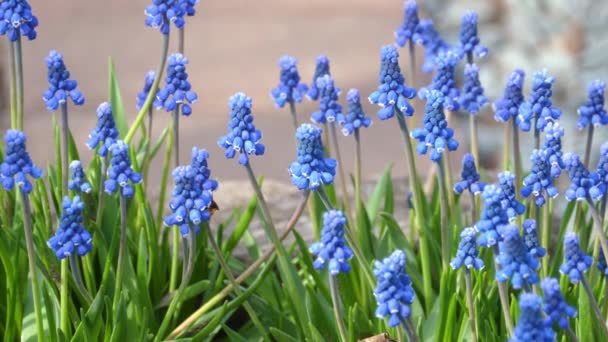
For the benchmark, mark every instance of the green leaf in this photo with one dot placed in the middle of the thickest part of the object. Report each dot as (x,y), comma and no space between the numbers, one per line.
(118,109)
(241,227)
(213,325)
(379,193)
(233,335)
(189,292)
(91,321)
(585,317)
(281,336)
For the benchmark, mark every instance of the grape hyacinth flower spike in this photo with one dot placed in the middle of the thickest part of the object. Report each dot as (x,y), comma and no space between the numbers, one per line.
(538,109)
(507,106)
(493,216)
(78,180)
(161,13)
(539,182)
(581,180)
(472,97)
(120,173)
(331,250)
(515,261)
(71,236)
(321,69)
(576,262)
(592,113)
(311,169)
(394,292)
(242,138)
(470,177)
(469,41)
(531,239)
(289,90)
(553,147)
(17,165)
(105,134)
(530,326)
(329,109)
(142,95)
(17,20)
(444,80)
(177,93)
(433,43)
(555,306)
(510,204)
(598,190)
(60,86)
(410,30)
(467,254)
(354,118)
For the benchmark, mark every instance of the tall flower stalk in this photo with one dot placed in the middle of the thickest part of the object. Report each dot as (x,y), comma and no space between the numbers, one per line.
(289,90)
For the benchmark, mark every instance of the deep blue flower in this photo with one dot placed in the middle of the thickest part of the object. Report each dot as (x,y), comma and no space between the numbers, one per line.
(531,239)
(242,138)
(592,111)
(321,69)
(493,215)
(467,253)
(581,180)
(555,306)
(508,106)
(355,117)
(598,190)
(329,108)
(311,169)
(601,263)
(192,196)
(17,19)
(435,134)
(120,173)
(470,177)
(105,134)
(576,262)
(469,41)
(410,29)
(472,98)
(161,13)
(189,6)
(17,164)
(515,261)
(530,326)
(444,80)
(553,147)
(513,207)
(71,236)
(394,292)
(177,92)
(142,95)
(392,91)
(78,179)
(60,86)
(538,108)
(332,249)
(540,181)
(289,89)
(433,44)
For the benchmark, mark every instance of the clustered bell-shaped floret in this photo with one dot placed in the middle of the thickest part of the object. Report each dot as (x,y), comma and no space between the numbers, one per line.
(105,134)
(60,86)
(78,179)
(538,109)
(394,292)
(470,178)
(120,173)
(472,97)
(329,107)
(355,117)
(467,253)
(576,262)
(311,169)
(515,261)
(410,30)
(71,236)
(507,106)
(555,306)
(289,89)
(321,69)
(332,250)
(592,112)
(17,19)
(17,164)
(530,326)
(177,93)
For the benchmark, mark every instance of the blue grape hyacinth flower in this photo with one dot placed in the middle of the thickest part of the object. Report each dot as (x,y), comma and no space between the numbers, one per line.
(539,182)
(581,180)
(189,6)
(433,44)
(321,69)
(161,13)
(60,86)
(311,169)
(17,20)
(470,178)
(120,173)
(493,216)
(472,97)
(242,138)
(289,89)
(469,41)
(515,261)
(444,80)
(328,101)
(538,109)
(435,134)
(555,306)
(410,29)
(507,106)
(105,134)
(601,263)
(192,196)
(142,95)
(17,164)
(531,239)
(394,292)
(392,92)
(510,204)
(576,262)
(332,250)
(553,147)
(592,112)
(530,326)
(598,190)
(78,179)
(177,92)
(355,117)
(71,236)
(467,253)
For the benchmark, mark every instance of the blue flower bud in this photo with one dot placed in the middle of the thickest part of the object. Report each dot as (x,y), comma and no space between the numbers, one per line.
(576,262)
(592,111)
(120,174)
(105,134)
(530,326)
(410,29)
(472,98)
(321,69)
(435,133)
(515,261)
(177,92)
(355,117)
(469,41)
(78,179)
(555,306)
(467,253)
(71,236)
(538,108)
(394,293)
(508,106)
(311,169)
(17,20)
(289,89)
(332,250)
(17,164)
(470,177)
(60,86)
(328,101)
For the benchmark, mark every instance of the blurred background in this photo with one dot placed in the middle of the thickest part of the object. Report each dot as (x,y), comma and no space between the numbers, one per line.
(234,45)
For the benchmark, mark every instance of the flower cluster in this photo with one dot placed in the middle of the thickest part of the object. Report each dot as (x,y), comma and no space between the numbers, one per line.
(355,117)
(17,164)
(601,263)
(508,106)
(510,204)
(576,262)
(555,306)
(60,86)
(392,91)
(444,80)
(120,173)
(540,180)
(515,261)
(592,111)
(410,30)
(581,180)
(467,253)
(321,69)
(469,41)
(78,179)
(17,20)
(242,138)
(530,326)
(553,147)
(531,239)
(161,13)
(492,217)
(599,189)
(332,249)
(105,134)
(433,44)
(435,134)
(470,177)
(289,89)
(394,292)
(472,98)
(71,236)
(538,107)
(177,93)
(329,107)
(142,95)
(311,169)
(192,197)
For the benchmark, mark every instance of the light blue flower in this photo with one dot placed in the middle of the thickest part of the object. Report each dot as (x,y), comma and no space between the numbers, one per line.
(177,92)
(394,292)
(467,253)
(508,105)
(311,169)
(470,178)
(469,41)
(472,98)
(530,326)
(78,179)
(581,180)
(433,43)
(71,236)
(321,69)
(592,112)
(120,172)
(515,261)
(444,80)
(576,262)
(329,109)
(105,134)
(289,89)
(60,86)
(493,216)
(538,109)
(332,250)
(531,239)
(555,306)
(143,95)
(355,117)
(17,19)
(410,29)
(17,164)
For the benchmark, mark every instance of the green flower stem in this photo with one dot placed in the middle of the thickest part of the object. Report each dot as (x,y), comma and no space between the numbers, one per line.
(181,39)
(345,199)
(516,158)
(599,228)
(503,293)
(78,278)
(470,303)
(444,215)
(163,181)
(358,199)
(506,148)
(102,176)
(536,135)
(335,298)
(412,53)
(13,87)
(245,275)
(122,253)
(65,299)
(65,129)
(474,138)
(264,206)
(473,208)
(19,80)
(589,145)
(176,136)
(470,57)
(294,116)
(411,331)
(546,231)
(144,109)
(176,234)
(594,306)
(31,256)
(571,335)
(147,159)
